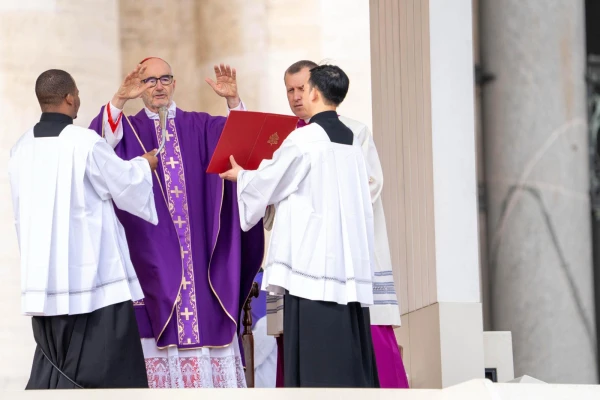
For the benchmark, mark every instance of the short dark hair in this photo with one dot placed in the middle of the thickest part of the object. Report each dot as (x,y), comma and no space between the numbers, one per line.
(299,66)
(331,81)
(52,86)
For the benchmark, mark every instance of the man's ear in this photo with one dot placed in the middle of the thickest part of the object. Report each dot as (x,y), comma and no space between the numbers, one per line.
(313,95)
(70,99)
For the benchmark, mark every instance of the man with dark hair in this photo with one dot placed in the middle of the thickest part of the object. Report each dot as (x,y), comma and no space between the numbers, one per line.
(331,81)
(321,251)
(197,266)
(52,86)
(77,281)
(385,313)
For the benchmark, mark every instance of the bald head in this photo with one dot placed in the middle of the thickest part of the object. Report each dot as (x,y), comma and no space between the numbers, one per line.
(154,62)
(52,86)
(161,94)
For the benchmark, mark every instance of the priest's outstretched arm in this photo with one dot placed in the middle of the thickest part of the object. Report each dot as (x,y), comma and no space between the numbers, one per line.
(273,182)
(127,183)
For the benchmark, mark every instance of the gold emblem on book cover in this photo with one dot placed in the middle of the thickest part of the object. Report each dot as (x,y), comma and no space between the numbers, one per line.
(273,139)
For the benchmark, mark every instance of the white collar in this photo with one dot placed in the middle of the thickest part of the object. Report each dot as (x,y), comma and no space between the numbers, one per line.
(153,115)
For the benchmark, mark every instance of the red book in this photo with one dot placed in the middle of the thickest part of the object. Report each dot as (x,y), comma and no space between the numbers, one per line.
(250,137)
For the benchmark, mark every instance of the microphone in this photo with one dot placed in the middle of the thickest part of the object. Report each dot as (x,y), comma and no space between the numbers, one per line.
(162,117)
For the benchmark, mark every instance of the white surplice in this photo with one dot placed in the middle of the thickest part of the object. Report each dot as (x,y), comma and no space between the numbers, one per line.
(74,254)
(318,249)
(386,307)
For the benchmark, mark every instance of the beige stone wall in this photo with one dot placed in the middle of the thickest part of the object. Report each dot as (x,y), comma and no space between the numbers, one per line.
(99,41)
(259,38)
(169,30)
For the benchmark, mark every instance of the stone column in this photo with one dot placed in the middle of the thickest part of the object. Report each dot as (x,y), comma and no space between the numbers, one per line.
(535,134)
(424,126)
(81,38)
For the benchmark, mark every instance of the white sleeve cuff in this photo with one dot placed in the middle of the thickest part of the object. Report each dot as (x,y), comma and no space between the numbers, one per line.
(115,112)
(240,107)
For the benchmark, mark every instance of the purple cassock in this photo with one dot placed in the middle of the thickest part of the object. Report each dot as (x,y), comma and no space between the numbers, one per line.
(196,267)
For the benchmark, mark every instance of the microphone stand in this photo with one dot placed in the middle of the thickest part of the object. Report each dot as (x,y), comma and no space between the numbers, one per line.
(162,116)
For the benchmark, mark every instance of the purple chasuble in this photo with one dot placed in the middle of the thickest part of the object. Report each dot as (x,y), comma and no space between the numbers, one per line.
(196,266)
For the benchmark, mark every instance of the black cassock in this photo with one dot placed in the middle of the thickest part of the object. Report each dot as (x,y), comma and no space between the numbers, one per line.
(327,344)
(101,349)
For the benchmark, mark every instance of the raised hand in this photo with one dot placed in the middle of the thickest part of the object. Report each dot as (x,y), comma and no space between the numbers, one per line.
(232,174)
(131,88)
(226,84)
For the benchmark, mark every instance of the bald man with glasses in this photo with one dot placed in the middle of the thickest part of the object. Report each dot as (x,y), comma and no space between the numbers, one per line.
(196,267)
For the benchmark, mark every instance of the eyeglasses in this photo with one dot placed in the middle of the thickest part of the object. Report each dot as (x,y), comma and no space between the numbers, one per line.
(165,80)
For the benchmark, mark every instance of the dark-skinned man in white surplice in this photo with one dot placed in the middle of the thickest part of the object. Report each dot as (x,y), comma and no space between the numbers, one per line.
(77,280)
